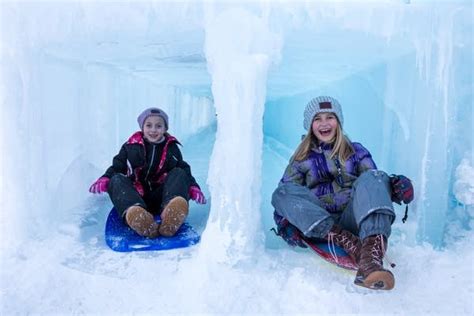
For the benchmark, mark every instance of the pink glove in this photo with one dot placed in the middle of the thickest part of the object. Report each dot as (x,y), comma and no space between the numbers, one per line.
(100,186)
(196,195)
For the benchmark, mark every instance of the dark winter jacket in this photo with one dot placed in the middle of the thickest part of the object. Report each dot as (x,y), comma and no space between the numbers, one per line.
(148,164)
(320,174)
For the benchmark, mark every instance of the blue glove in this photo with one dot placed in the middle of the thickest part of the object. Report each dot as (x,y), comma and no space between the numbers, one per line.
(288,231)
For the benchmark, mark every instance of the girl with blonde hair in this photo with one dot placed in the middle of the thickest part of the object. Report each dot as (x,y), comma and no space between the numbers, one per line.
(332,190)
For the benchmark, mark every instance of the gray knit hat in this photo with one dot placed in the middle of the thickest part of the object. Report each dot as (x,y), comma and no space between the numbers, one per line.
(152,112)
(321,104)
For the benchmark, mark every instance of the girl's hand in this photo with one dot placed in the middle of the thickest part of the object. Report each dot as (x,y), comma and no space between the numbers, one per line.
(402,189)
(288,232)
(196,195)
(99,186)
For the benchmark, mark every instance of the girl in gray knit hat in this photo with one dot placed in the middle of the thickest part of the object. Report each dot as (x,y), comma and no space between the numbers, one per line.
(149,176)
(332,190)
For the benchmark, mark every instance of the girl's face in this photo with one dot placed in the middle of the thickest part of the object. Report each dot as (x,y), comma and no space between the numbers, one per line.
(154,128)
(325,126)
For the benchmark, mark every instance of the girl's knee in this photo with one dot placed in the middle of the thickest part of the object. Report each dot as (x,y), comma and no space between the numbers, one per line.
(281,191)
(278,195)
(177,172)
(289,188)
(178,175)
(372,176)
(117,179)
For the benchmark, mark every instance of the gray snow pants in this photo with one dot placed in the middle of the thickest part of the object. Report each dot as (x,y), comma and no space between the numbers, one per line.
(369,212)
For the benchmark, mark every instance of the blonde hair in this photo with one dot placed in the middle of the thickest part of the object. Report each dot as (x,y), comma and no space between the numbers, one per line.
(342,148)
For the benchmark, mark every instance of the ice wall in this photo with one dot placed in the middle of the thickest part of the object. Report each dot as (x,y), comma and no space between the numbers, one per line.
(463,190)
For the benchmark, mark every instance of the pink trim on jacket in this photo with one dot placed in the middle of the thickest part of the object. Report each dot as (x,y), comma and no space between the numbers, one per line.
(137,138)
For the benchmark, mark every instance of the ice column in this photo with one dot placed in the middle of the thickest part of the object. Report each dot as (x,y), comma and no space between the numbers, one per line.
(443,141)
(239,50)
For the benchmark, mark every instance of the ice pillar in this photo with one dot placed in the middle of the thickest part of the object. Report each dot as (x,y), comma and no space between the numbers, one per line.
(239,50)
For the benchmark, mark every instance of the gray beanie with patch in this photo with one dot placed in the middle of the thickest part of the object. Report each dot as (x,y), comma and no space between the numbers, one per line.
(321,104)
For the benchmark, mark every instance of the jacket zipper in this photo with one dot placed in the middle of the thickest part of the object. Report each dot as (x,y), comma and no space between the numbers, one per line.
(151,164)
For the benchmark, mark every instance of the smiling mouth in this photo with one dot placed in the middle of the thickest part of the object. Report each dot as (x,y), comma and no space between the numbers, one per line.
(325,132)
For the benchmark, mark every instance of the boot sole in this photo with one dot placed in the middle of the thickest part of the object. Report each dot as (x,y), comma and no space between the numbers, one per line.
(378,280)
(173,216)
(141,221)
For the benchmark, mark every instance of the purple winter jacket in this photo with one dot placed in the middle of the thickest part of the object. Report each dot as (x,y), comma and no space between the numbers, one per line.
(320,174)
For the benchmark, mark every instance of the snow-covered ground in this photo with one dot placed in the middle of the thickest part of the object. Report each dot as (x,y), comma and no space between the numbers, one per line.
(64,275)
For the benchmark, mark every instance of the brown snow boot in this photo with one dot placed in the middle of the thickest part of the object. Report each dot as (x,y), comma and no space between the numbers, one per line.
(141,221)
(346,240)
(173,216)
(371,273)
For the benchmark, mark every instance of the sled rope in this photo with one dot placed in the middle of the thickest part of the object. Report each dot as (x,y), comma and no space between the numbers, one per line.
(405,217)
(332,247)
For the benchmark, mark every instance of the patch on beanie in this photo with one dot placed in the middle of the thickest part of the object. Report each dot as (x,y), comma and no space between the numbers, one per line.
(153,111)
(325,105)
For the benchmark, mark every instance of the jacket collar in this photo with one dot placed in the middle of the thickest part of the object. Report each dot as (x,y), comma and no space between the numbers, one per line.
(326,146)
(137,138)
(322,147)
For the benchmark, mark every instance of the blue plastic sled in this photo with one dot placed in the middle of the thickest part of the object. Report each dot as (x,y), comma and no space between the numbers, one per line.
(120,237)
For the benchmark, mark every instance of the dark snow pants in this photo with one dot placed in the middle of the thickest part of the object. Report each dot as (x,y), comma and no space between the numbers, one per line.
(123,194)
(369,212)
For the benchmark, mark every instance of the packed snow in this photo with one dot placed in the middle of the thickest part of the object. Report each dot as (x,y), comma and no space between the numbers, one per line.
(234,79)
